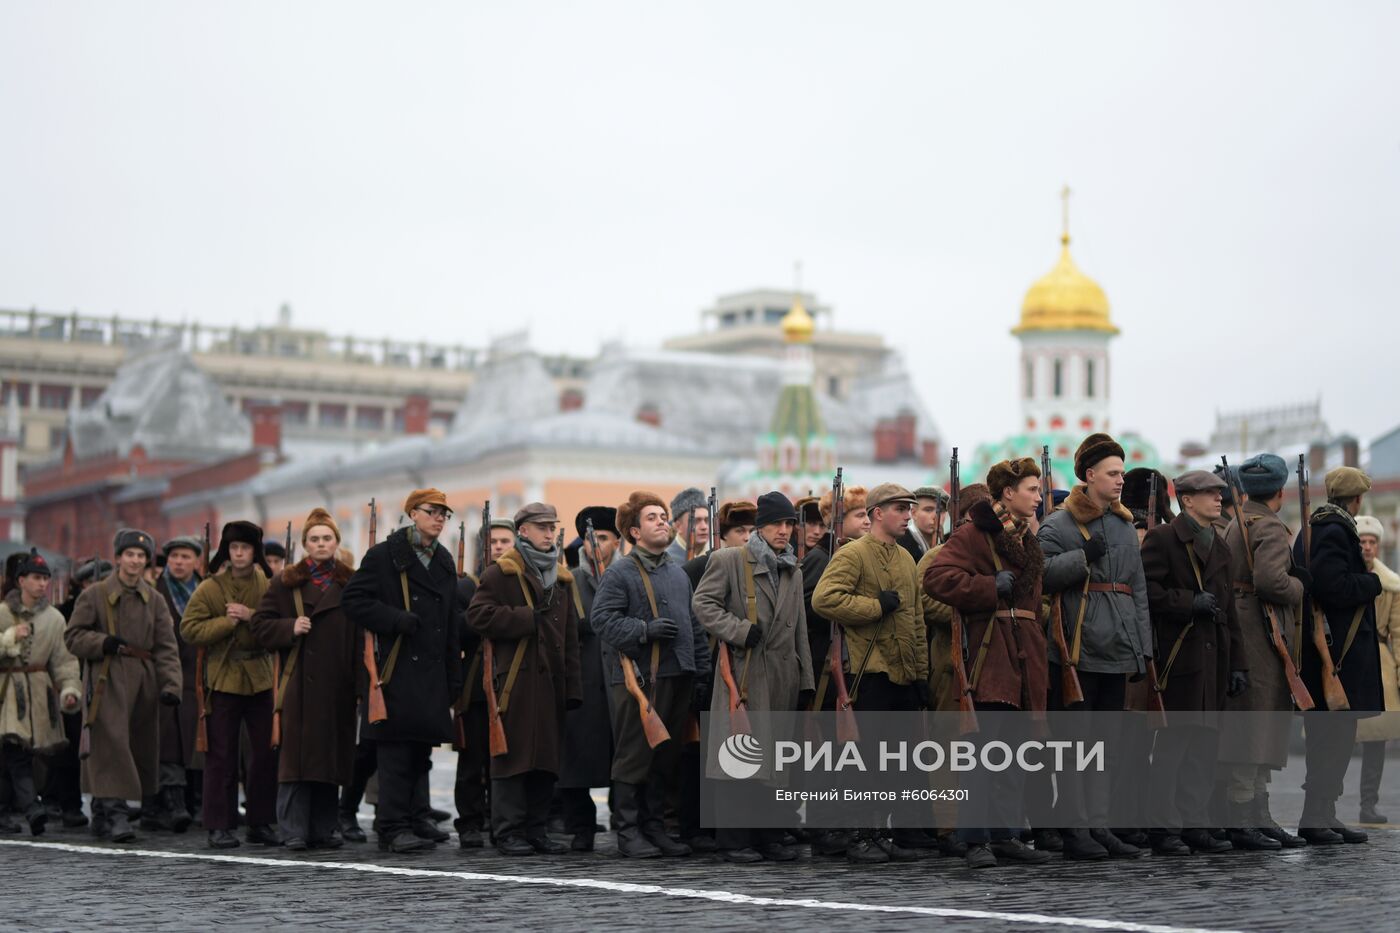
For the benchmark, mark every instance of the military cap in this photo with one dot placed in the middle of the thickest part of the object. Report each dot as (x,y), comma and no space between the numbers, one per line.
(503,523)
(1345,482)
(934,493)
(1262,476)
(33,563)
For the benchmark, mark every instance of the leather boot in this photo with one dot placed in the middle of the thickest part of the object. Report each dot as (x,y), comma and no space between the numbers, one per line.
(653,827)
(1079,846)
(1265,821)
(1244,834)
(121,826)
(1116,847)
(627,814)
(174,799)
(153,813)
(350,829)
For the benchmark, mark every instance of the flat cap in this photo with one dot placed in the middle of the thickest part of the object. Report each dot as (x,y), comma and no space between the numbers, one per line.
(1262,475)
(1345,482)
(184,541)
(1198,481)
(536,512)
(932,492)
(885,493)
(424,497)
(502,523)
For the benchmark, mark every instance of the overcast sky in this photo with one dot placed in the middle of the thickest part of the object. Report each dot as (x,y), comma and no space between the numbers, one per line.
(603,170)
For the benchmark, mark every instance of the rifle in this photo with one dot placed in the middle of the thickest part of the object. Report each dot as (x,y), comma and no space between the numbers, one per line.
(738,706)
(846,730)
(1333,693)
(800,546)
(954,492)
(483,548)
(967,712)
(712,509)
(1155,706)
(1047,485)
(1070,689)
(652,726)
(201,660)
(495,729)
(279,688)
(838,510)
(690,535)
(377,711)
(288,546)
(461,550)
(1301,698)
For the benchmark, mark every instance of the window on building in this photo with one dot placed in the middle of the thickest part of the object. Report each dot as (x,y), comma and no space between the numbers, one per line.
(1059,378)
(18,389)
(90,394)
(295,413)
(1089,378)
(248,404)
(332,416)
(56,397)
(369,417)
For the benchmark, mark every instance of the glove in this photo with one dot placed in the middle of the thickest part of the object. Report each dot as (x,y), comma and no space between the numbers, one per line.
(409,623)
(572,703)
(1303,575)
(1204,605)
(170,699)
(805,698)
(112,644)
(700,701)
(754,636)
(889,601)
(1239,683)
(1095,548)
(1005,581)
(924,693)
(659,630)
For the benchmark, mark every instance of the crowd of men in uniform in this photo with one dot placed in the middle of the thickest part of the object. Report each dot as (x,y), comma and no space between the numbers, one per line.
(558,670)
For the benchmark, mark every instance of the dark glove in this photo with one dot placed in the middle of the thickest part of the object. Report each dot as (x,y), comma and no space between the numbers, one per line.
(805,698)
(1239,683)
(1204,605)
(754,636)
(659,630)
(408,623)
(924,693)
(112,644)
(170,699)
(1303,575)
(1095,548)
(573,703)
(889,601)
(1005,581)
(700,701)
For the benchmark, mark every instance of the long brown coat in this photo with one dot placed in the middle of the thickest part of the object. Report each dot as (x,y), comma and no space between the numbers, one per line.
(1212,648)
(179,724)
(1258,739)
(125,759)
(963,575)
(938,617)
(548,682)
(318,708)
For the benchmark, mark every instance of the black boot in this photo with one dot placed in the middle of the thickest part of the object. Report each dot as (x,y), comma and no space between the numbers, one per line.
(121,826)
(1047,840)
(153,813)
(654,828)
(174,800)
(1079,846)
(628,816)
(350,829)
(1265,821)
(1203,840)
(1244,834)
(1116,847)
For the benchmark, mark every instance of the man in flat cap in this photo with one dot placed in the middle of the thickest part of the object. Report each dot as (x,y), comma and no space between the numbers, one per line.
(869,590)
(1266,590)
(1344,592)
(586,761)
(690,521)
(1093,573)
(1190,590)
(927,525)
(526,612)
(181,766)
(500,538)
(123,629)
(764,641)
(238,694)
(405,593)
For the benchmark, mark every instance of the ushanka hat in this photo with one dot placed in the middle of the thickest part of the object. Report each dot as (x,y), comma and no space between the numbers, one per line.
(240,533)
(1262,476)
(134,538)
(1093,450)
(604,519)
(737,514)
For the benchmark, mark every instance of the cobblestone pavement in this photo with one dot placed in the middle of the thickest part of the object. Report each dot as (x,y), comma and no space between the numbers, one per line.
(67,881)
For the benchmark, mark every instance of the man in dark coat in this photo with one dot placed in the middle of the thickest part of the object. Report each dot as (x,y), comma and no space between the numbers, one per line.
(300,617)
(587,758)
(524,609)
(181,774)
(1341,588)
(990,572)
(1189,588)
(405,592)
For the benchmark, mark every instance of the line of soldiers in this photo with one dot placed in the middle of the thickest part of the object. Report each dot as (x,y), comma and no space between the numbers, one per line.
(552,676)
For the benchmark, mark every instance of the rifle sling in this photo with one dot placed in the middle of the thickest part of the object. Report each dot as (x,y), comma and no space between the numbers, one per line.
(751,604)
(1351,637)
(1073,659)
(656,645)
(991,624)
(1161,684)
(291,656)
(518,658)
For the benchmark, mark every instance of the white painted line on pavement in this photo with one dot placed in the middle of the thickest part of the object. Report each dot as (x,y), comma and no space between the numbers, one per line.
(623,887)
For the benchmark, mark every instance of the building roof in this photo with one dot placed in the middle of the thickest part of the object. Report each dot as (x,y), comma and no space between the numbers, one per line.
(1065,299)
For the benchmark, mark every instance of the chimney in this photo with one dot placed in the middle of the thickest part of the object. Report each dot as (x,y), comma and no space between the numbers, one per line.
(649,414)
(415,414)
(906,424)
(1317,458)
(929,455)
(886,441)
(267,426)
(1351,452)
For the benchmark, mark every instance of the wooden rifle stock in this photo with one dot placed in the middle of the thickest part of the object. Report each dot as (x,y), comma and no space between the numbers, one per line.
(1155,707)
(494,728)
(1333,693)
(652,726)
(738,713)
(1070,689)
(967,712)
(377,711)
(846,729)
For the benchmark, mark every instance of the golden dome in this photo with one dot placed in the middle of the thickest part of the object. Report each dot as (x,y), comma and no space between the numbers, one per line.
(1065,299)
(797,324)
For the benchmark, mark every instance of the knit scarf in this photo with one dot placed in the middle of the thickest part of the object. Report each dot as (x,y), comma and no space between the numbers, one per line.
(650,560)
(1331,512)
(1015,527)
(1205,534)
(545,564)
(764,555)
(180,592)
(424,551)
(321,574)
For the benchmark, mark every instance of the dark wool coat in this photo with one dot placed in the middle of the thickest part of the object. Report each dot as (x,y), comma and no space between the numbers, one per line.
(588,739)
(548,680)
(621,612)
(318,707)
(1213,647)
(1341,585)
(428,675)
(178,724)
(963,575)
(818,626)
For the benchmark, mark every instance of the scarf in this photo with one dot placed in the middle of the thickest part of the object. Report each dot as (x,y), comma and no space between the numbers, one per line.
(424,551)
(1013,526)
(545,564)
(769,559)
(1205,535)
(1330,512)
(652,561)
(321,574)
(180,593)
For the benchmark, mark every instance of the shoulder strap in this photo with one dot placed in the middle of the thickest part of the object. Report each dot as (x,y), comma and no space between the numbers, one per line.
(519,657)
(1351,635)
(282,681)
(646,584)
(1078,642)
(398,639)
(1195,566)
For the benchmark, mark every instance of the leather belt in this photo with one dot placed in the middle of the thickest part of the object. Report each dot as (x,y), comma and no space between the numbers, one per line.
(31,669)
(1243,587)
(1111,588)
(1012,614)
(127,651)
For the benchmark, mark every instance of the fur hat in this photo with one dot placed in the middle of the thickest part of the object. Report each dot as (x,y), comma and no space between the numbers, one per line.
(1345,482)
(1262,476)
(421,497)
(91,571)
(853,499)
(1008,473)
(318,516)
(1365,525)
(134,538)
(734,514)
(629,511)
(774,507)
(1095,448)
(604,519)
(970,495)
(34,562)
(274,548)
(240,533)
(686,502)
(1137,488)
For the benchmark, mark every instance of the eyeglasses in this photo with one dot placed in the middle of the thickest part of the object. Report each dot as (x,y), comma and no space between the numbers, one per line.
(437,511)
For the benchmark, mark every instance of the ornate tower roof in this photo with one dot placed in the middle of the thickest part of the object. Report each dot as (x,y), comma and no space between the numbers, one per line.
(1065,298)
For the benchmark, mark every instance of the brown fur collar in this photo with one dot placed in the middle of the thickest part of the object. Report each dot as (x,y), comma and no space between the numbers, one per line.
(298,574)
(1082,508)
(1022,554)
(512,563)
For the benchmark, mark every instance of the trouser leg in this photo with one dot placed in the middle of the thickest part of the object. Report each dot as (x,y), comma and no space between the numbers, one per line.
(510,806)
(221,761)
(1329,741)
(260,773)
(579,810)
(1372,768)
(294,810)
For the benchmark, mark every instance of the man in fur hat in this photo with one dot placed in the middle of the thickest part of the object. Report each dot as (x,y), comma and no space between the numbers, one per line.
(1093,573)
(405,592)
(275,556)
(123,629)
(37,677)
(690,522)
(239,689)
(300,617)
(642,614)
(170,809)
(525,606)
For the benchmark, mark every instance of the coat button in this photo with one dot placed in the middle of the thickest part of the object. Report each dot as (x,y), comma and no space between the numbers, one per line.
(1209,646)
(413,657)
